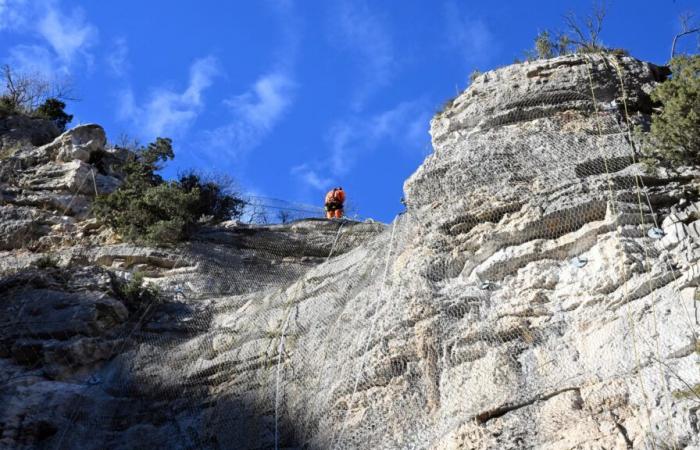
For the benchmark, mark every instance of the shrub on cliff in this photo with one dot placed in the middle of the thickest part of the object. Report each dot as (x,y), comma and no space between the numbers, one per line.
(547,46)
(54,109)
(34,96)
(135,293)
(581,35)
(215,200)
(675,130)
(145,208)
(7,107)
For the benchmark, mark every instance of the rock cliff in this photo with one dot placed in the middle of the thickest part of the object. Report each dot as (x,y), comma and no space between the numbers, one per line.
(539,292)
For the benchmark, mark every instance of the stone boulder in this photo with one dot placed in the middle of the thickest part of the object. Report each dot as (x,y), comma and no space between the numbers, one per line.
(74,177)
(79,143)
(21,131)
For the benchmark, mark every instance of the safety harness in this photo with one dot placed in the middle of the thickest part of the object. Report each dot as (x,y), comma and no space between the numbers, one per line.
(334,204)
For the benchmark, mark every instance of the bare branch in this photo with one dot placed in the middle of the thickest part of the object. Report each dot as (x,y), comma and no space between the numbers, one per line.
(27,91)
(686,29)
(586,35)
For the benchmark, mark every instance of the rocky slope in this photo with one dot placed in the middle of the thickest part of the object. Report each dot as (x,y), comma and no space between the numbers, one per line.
(539,292)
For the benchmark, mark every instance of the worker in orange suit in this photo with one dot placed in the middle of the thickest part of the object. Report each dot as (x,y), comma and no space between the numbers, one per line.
(334,203)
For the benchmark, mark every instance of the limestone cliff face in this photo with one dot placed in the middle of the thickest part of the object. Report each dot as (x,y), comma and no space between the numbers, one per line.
(539,292)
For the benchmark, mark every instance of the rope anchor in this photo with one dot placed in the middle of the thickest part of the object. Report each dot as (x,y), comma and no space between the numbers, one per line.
(579,262)
(487,286)
(656,233)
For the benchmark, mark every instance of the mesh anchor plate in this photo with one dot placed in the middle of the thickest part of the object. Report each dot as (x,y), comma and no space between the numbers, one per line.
(579,261)
(656,233)
(487,285)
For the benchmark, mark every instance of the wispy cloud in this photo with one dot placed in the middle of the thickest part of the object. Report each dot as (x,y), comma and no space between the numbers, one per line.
(13,14)
(260,108)
(168,112)
(117,58)
(470,36)
(61,38)
(33,59)
(255,113)
(310,177)
(68,34)
(404,126)
(363,33)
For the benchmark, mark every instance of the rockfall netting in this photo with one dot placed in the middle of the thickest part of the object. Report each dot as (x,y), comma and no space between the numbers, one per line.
(539,287)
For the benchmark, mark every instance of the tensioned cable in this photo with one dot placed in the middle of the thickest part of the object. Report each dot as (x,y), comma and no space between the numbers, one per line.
(624,277)
(647,260)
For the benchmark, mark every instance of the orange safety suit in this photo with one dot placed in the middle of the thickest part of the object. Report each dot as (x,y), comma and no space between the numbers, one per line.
(334,203)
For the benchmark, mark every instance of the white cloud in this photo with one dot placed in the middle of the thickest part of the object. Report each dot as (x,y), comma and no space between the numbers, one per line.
(470,36)
(117,60)
(364,34)
(68,35)
(167,112)
(13,14)
(310,177)
(55,40)
(405,125)
(255,113)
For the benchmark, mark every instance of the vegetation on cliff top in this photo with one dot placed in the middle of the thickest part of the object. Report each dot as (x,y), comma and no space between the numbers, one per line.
(33,96)
(146,208)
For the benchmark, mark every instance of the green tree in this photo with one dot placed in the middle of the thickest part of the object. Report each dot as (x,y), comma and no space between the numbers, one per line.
(215,197)
(54,109)
(7,107)
(146,208)
(675,131)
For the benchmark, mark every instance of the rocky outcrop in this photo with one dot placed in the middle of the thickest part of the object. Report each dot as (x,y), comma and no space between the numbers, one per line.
(46,191)
(539,292)
(18,132)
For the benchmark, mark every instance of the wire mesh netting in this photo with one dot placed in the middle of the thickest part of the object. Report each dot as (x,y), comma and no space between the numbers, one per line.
(537,293)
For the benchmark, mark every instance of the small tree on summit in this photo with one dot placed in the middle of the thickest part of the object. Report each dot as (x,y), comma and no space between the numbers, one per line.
(584,34)
(35,96)
(544,45)
(53,109)
(580,36)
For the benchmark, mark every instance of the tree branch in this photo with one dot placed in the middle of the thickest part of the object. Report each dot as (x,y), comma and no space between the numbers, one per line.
(680,35)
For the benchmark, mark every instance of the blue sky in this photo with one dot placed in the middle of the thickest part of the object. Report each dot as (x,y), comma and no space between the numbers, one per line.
(293,97)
